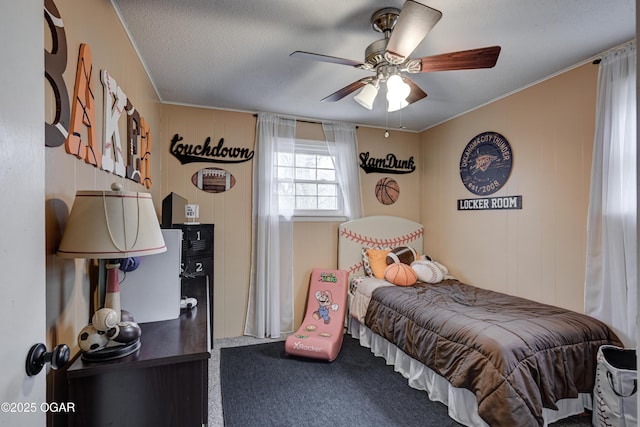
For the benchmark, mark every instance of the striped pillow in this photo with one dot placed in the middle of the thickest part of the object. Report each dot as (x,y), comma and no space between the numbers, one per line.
(374,261)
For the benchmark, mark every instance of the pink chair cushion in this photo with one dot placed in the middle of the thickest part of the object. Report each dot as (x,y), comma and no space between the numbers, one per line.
(322,329)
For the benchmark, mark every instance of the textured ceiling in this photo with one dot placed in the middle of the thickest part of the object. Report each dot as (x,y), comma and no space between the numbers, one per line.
(234,54)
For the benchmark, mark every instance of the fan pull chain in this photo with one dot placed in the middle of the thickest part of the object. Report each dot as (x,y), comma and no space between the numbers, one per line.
(386,124)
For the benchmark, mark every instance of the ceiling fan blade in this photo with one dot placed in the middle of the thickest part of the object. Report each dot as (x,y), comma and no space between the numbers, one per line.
(337,96)
(414,23)
(416,93)
(325,58)
(485,57)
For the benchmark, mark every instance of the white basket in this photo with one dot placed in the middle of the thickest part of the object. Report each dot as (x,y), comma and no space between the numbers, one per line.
(616,384)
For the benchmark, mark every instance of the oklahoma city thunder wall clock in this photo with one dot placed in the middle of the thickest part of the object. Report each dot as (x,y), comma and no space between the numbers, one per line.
(485,164)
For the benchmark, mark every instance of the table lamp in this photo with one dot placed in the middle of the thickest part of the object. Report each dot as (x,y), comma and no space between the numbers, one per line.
(111,225)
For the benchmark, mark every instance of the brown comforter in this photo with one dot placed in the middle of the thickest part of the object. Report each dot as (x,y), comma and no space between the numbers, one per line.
(515,355)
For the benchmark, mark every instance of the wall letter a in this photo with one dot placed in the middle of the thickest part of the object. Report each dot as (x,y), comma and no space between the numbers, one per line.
(83,112)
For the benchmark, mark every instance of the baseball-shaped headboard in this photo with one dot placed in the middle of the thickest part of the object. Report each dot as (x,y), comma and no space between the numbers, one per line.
(375,232)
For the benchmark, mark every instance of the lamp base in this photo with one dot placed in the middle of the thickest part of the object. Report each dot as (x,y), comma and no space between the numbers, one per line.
(111,353)
(112,294)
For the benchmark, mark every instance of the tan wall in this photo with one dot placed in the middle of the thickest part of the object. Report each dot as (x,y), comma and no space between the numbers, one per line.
(94,23)
(537,252)
(315,243)
(230,211)
(403,145)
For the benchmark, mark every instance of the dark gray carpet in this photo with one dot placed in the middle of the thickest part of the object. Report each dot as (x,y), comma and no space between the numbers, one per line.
(261,386)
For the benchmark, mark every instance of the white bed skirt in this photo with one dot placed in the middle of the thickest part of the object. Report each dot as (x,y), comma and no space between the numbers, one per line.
(461,403)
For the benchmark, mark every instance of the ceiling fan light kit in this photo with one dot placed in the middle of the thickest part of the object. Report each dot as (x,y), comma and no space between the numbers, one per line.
(390,58)
(397,93)
(367,95)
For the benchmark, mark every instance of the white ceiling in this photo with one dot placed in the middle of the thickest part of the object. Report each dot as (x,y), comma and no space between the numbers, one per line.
(234,54)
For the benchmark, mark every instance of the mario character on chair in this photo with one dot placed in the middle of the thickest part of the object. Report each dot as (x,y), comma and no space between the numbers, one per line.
(325,302)
(322,329)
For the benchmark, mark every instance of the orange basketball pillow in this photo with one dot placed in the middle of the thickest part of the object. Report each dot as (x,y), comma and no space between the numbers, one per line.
(400,275)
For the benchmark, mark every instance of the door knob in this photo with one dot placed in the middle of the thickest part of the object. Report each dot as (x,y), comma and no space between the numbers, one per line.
(38,357)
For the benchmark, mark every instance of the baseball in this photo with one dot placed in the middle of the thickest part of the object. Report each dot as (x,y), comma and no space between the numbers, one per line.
(104,319)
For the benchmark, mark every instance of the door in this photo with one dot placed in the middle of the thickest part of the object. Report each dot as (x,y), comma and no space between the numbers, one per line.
(22,203)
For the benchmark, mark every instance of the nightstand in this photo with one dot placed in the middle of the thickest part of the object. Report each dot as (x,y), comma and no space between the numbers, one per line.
(165,383)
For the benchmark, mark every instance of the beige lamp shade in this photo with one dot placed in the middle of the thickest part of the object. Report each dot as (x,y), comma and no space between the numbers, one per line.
(111,224)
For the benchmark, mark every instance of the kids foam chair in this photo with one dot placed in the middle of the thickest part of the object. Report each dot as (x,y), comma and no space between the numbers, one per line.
(322,329)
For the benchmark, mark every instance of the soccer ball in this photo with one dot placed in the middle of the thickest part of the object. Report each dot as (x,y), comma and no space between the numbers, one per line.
(91,339)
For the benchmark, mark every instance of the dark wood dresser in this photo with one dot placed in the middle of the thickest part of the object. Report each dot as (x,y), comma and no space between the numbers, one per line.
(165,383)
(197,259)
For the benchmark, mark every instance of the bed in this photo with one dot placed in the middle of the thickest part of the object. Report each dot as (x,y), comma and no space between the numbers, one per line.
(493,359)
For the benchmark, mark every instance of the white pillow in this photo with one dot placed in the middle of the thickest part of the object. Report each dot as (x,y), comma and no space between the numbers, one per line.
(445,270)
(427,271)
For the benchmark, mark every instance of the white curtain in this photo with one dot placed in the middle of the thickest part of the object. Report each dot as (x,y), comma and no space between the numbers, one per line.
(270,308)
(611,269)
(343,148)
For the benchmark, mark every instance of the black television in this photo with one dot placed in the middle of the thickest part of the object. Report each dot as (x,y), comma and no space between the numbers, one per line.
(173,210)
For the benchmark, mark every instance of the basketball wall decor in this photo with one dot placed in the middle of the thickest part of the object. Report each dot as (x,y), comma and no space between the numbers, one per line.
(387,191)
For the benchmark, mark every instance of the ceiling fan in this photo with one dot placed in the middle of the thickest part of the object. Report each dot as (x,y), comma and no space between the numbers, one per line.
(389,58)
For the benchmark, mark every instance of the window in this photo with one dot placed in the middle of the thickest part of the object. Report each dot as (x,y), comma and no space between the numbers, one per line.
(307,183)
